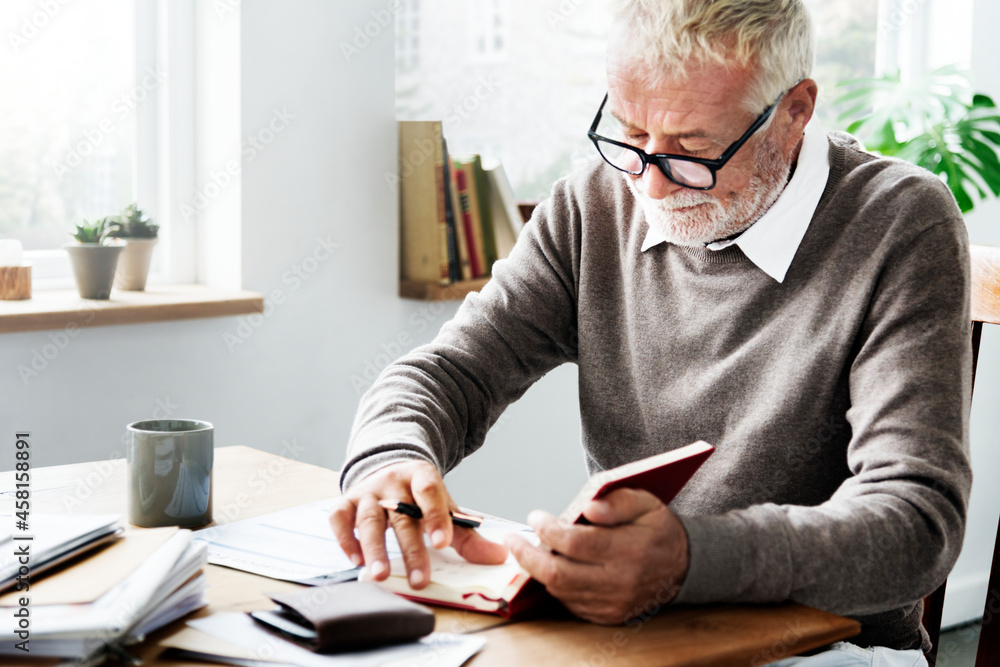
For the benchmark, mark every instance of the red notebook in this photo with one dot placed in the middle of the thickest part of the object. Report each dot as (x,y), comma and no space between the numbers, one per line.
(507,589)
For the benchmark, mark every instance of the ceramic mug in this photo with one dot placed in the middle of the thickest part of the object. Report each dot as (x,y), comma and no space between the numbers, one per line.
(169,464)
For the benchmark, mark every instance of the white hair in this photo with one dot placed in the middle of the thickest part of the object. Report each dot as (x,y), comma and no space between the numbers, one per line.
(772,36)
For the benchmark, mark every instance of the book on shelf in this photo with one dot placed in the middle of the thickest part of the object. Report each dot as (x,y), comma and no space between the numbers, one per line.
(507,220)
(507,589)
(423,221)
(457,217)
(95,606)
(462,234)
(469,200)
(472,165)
(450,215)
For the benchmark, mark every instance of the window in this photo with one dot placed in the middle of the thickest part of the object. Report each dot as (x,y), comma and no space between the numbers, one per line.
(535,76)
(82,128)
(501,100)
(67,119)
(846,33)
(408,36)
(486,30)
(917,36)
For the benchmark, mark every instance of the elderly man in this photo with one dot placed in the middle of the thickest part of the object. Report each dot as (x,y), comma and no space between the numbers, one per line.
(727,272)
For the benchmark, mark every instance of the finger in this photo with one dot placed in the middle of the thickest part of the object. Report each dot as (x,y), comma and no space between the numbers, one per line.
(411,545)
(585,544)
(584,589)
(371,529)
(475,548)
(566,579)
(342,522)
(621,506)
(539,563)
(431,496)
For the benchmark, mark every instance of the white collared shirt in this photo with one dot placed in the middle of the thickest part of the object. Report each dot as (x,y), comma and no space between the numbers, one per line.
(772,241)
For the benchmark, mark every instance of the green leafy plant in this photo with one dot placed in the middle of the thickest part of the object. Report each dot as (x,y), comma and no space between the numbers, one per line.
(132,223)
(94,232)
(937,122)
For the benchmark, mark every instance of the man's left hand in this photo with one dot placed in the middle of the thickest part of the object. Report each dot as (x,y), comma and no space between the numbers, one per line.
(635,551)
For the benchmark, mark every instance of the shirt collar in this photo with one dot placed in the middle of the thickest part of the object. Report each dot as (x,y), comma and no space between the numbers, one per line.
(771,242)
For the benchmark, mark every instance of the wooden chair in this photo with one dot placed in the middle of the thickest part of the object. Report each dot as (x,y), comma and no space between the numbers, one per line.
(985,310)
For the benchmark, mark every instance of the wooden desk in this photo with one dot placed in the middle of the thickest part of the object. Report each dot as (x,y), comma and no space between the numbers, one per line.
(249,483)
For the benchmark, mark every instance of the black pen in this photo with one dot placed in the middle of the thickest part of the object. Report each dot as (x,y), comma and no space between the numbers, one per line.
(409,509)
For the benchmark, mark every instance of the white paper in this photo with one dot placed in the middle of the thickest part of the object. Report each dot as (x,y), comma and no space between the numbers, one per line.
(438,649)
(153,594)
(52,535)
(296,544)
(449,569)
(113,613)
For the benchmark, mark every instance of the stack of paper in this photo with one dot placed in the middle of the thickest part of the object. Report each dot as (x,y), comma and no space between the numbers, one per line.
(108,600)
(51,540)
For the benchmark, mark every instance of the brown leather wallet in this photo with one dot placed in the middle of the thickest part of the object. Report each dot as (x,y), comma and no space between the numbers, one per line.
(352,616)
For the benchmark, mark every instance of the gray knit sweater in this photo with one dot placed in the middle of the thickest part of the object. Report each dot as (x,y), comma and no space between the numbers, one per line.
(837,400)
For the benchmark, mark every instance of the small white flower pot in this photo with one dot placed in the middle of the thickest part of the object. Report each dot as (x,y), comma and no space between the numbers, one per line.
(133,267)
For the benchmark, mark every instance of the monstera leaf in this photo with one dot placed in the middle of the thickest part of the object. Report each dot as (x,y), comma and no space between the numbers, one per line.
(937,122)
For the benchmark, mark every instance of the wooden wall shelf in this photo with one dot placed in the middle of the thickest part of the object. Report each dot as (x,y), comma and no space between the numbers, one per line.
(412,289)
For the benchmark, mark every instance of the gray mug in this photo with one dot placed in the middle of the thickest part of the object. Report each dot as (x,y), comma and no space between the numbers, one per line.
(169,465)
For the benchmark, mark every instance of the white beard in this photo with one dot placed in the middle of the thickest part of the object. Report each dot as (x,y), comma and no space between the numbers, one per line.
(694,217)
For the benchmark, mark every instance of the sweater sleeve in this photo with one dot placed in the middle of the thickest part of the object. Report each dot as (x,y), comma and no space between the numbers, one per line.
(892,531)
(438,402)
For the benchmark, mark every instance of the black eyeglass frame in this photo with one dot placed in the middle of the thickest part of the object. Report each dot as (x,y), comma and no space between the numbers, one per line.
(660,159)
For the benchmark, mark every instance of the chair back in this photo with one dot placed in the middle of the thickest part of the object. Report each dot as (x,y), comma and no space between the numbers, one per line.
(985,263)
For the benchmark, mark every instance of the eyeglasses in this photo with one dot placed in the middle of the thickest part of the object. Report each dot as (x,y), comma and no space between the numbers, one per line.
(691,172)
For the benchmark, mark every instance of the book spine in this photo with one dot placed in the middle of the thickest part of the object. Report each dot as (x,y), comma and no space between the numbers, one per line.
(475,261)
(454,270)
(475,208)
(421,212)
(485,212)
(461,243)
(442,219)
(503,227)
(505,192)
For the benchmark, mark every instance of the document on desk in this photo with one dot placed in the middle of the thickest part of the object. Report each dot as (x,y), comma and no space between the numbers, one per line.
(165,586)
(234,638)
(296,544)
(51,540)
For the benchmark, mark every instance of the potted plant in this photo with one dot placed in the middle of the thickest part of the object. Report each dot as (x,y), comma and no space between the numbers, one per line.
(94,257)
(139,234)
(937,122)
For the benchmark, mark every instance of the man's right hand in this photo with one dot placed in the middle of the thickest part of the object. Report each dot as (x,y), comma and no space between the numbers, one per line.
(415,482)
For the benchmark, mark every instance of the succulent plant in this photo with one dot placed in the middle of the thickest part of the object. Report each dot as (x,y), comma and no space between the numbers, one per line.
(132,223)
(94,232)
